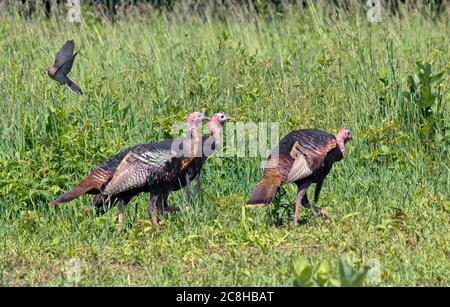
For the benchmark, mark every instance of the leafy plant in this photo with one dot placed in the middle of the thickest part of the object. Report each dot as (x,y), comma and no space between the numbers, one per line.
(351,277)
(306,276)
(426,94)
(385,142)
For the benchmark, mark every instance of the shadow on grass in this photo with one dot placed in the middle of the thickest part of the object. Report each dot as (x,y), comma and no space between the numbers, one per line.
(283,214)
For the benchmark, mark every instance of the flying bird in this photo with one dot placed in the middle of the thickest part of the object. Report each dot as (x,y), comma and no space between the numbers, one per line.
(303,157)
(63,64)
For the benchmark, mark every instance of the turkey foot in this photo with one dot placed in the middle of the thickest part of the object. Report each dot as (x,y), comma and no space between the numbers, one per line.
(171,209)
(322,211)
(164,206)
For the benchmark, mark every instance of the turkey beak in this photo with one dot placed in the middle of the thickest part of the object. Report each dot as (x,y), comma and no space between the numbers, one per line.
(350,135)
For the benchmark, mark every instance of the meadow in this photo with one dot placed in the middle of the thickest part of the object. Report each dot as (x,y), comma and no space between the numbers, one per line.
(388,199)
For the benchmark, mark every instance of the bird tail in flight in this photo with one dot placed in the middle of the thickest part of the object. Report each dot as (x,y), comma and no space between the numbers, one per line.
(74,87)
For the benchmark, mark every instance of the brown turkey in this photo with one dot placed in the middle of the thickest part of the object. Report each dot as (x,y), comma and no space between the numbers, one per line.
(303,157)
(158,168)
(149,167)
(209,145)
(129,174)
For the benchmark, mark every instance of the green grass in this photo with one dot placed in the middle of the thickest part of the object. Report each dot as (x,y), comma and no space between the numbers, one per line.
(139,76)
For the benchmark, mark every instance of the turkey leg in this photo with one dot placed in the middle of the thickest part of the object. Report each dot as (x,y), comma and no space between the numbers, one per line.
(188,188)
(103,203)
(300,194)
(152,209)
(164,205)
(122,204)
(199,184)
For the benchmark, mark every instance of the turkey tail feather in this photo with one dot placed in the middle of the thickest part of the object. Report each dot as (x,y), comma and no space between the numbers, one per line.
(79,190)
(94,181)
(263,195)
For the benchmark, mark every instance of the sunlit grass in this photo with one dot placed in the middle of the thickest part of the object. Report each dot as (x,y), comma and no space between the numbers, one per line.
(140,76)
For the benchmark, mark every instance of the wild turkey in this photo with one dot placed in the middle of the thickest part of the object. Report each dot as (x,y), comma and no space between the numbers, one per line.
(209,145)
(303,157)
(129,174)
(158,168)
(140,168)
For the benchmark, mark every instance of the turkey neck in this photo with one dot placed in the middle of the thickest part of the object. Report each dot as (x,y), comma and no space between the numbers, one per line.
(194,133)
(341,144)
(215,129)
(193,129)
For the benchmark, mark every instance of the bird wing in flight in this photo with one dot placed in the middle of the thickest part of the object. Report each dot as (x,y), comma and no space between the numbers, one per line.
(66,67)
(64,54)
